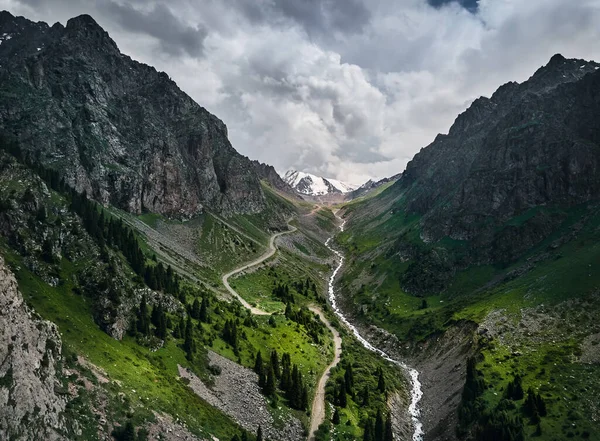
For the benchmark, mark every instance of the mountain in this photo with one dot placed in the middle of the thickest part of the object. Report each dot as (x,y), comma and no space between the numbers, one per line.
(371,185)
(477,263)
(309,184)
(116,128)
(268,173)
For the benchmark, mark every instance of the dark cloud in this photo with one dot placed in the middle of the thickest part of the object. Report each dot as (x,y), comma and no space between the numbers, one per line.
(315,16)
(175,36)
(469,5)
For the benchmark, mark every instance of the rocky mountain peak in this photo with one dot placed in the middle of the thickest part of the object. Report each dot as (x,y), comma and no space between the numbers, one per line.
(85,30)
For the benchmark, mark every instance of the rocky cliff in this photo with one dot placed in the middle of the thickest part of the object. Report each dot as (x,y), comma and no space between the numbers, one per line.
(530,144)
(114,127)
(30,348)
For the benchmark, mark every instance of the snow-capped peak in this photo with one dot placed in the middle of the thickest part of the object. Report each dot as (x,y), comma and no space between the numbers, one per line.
(310,184)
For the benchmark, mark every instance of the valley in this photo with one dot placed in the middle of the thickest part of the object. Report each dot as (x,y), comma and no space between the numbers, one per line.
(156,284)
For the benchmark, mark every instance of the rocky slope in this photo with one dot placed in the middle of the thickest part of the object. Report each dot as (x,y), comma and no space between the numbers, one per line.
(114,127)
(30,349)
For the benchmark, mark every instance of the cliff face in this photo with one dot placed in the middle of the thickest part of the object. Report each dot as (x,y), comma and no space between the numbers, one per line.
(29,351)
(114,127)
(528,145)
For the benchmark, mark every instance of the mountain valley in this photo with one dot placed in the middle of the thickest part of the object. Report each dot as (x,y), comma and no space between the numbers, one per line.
(155,284)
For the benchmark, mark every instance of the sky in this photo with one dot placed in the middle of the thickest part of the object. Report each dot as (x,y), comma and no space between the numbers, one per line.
(347,89)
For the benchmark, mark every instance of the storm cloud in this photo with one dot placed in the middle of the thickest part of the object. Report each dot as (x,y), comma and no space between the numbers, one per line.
(350,89)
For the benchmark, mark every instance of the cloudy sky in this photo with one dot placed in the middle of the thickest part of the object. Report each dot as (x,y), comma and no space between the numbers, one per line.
(349,89)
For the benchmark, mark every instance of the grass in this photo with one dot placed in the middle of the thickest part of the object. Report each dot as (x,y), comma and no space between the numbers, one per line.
(149,380)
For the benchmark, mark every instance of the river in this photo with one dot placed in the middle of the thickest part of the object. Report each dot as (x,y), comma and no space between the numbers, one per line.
(416,392)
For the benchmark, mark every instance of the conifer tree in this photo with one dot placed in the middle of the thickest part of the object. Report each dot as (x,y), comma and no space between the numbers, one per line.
(275,363)
(269,388)
(259,435)
(389,432)
(204,310)
(349,378)
(143,322)
(189,345)
(381,381)
(196,309)
(258,363)
(342,400)
(379,426)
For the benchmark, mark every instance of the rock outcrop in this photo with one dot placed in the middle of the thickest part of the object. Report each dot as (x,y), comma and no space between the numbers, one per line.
(30,407)
(114,127)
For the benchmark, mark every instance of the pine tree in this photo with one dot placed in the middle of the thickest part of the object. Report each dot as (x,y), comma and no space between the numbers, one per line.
(379,426)
(245,436)
(275,363)
(143,323)
(189,345)
(235,437)
(269,388)
(196,309)
(342,399)
(389,432)
(304,401)
(349,378)
(381,382)
(204,310)
(286,374)
(258,363)
(259,435)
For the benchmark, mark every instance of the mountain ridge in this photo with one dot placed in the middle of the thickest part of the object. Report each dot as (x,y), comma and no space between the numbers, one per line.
(131,136)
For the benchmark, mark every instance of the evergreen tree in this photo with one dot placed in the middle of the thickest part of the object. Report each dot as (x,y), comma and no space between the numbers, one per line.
(349,378)
(389,432)
(269,388)
(381,382)
(143,322)
(342,399)
(196,309)
(379,426)
(286,373)
(275,363)
(235,437)
(189,345)
(245,436)
(204,310)
(259,435)
(258,363)
(304,401)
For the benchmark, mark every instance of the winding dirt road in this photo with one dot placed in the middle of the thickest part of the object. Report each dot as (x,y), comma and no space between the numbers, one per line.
(317,415)
(318,406)
(261,259)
